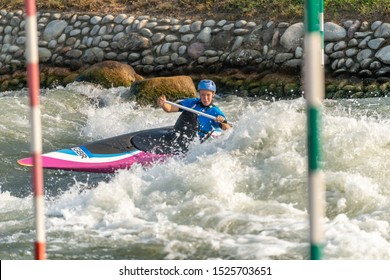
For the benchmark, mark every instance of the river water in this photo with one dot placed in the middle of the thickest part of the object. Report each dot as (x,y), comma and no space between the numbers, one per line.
(242,196)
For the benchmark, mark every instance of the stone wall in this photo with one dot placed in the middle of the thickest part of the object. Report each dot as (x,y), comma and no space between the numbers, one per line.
(168,46)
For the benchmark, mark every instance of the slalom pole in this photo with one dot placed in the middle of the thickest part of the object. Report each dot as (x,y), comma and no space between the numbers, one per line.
(314,92)
(321,12)
(32,58)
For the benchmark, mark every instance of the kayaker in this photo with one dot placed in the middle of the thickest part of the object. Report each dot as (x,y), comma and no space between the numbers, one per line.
(203,103)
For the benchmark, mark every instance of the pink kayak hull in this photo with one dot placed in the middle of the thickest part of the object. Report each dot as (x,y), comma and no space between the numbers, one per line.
(55,160)
(108,155)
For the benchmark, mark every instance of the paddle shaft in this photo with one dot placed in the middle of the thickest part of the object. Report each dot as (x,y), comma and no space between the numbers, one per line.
(192,110)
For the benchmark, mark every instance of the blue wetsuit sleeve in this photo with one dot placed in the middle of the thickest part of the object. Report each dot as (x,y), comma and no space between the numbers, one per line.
(219,112)
(189,102)
(216,111)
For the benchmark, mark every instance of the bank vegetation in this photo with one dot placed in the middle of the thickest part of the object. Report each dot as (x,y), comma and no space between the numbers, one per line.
(334,10)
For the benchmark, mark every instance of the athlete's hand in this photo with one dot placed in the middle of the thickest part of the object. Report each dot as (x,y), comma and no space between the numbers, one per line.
(161,100)
(223,122)
(220,119)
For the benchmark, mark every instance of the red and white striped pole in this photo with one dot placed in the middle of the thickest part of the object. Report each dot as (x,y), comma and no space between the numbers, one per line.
(32,58)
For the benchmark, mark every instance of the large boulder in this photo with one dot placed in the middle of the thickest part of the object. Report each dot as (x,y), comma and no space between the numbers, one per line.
(110,74)
(147,91)
(333,32)
(52,76)
(293,37)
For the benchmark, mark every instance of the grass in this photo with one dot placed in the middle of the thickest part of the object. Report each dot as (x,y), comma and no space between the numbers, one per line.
(289,10)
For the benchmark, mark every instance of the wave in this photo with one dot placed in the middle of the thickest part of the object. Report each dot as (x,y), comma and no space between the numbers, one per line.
(241,196)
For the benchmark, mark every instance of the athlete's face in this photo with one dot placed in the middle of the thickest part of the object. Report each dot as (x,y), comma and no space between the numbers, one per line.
(206,97)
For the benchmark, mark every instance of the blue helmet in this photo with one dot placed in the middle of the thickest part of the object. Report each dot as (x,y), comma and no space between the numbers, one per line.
(207,85)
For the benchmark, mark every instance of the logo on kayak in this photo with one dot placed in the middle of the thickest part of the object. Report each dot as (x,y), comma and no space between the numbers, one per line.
(80,152)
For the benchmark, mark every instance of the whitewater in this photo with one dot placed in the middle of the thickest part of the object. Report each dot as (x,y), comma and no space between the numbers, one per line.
(242,196)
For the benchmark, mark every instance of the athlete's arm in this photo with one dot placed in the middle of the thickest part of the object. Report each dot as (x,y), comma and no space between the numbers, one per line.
(165,106)
(224,125)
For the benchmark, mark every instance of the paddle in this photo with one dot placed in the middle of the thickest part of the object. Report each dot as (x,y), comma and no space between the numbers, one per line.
(194,111)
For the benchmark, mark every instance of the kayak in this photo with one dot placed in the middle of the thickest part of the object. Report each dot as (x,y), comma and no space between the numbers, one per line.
(144,147)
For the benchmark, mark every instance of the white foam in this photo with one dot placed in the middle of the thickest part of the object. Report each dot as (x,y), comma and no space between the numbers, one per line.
(241,196)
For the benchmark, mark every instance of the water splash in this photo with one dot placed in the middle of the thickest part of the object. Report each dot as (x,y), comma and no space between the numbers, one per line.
(241,196)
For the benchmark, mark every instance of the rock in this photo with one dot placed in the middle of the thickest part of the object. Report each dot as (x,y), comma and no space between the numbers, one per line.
(267,33)
(364,54)
(334,32)
(292,66)
(195,50)
(384,55)
(383,31)
(242,57)
(223,39)
(205,35)
(146,91)
(93,55)
(110,74)
(383,71)
(353,28)
(134,42)
(282,57)
(237,43)
(293,37)
(54,29)
(44,54)
(376,43)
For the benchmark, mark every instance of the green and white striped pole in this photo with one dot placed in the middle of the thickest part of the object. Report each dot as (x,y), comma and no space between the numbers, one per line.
(314,92)
(321,11)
